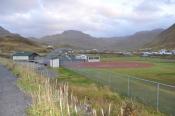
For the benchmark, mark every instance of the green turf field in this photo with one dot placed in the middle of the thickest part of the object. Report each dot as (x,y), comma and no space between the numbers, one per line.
(163,71)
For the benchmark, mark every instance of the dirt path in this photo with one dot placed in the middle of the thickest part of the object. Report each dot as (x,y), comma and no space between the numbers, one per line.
(13,102)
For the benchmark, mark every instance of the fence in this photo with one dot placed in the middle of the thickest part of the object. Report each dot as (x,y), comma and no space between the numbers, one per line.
(40,69)
(158,95)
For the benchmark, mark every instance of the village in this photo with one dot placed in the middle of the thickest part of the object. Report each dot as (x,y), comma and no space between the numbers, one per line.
(58,56)
(87,58)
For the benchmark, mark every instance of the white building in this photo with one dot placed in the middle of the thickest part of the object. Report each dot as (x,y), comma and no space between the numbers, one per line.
(81,57)
(93,59)
(173,51)
(55,63)
(24,56)
(50,47)
(165,52)
(147,53)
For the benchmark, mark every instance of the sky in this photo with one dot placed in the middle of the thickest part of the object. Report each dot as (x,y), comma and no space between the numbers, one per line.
(100,18)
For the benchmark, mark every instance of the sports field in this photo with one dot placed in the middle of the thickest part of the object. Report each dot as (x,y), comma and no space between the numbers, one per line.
(122,74)
(156,69)
(162,70)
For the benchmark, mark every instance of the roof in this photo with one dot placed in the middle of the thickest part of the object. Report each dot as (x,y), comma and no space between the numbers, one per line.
(24,54)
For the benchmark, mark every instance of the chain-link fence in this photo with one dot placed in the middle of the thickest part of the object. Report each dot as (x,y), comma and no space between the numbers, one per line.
(40,69)
(158,95)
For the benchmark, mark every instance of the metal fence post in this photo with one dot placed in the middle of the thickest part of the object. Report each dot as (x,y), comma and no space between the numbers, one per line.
(109,80)
(128,86)
(158,86)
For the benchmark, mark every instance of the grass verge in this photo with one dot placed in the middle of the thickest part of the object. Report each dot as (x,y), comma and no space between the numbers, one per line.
(54,97)
(101,96)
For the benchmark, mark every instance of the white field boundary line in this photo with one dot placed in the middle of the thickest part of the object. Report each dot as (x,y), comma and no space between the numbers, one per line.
(136,78)
(141,79)
(154,82)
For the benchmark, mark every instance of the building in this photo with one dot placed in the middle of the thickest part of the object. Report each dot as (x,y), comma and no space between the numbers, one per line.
(165,52)
(81,57)
(54,62)
(93,59)
(50,47)
(24,56)
(173,51)
(127,53)
(147,53)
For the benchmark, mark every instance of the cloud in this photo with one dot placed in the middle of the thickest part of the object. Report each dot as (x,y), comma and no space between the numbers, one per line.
(147,8)
(17,6)
(97,17)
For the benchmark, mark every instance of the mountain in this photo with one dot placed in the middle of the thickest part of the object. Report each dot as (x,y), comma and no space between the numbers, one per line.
(74,39)
(78,39)
(10,42)
(165,39)
(137,40)
(4,32)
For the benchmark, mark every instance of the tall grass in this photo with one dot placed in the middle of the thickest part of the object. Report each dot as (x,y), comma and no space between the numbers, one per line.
(48,100)
(60,99)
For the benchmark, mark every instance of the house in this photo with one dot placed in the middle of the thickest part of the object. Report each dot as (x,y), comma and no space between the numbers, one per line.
(54,62)
(50,47)
(24,56)
(173,51)
(93,59)
(165,52)
(127,53)
(147,54)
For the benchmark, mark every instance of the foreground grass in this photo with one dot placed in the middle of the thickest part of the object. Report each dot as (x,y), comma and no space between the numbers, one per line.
(47,99)
(81,97)
(100,96)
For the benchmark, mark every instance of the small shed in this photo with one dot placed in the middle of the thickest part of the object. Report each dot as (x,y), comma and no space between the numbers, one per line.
(93,59)
(24,56)
(54,62)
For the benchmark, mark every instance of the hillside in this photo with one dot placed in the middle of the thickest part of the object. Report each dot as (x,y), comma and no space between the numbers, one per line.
(77,39)
(4,32)
(74,39)
(137,40)
(10,42)
(166,39)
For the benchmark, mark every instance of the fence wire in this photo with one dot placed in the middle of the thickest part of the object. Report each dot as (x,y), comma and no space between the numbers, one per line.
(158,95)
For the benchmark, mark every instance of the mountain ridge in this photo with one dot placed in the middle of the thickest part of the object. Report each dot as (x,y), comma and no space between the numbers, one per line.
(10,42)
(165,39)
(80,40)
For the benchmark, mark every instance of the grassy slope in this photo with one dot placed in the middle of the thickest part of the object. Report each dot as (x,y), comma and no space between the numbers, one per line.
(43,94)
(162,71)
(47,99)
(166,39)
(117,79)
(99,96)
(18,43)
(85,88)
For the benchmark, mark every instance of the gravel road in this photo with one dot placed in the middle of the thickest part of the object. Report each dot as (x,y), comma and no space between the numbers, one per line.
(13,102)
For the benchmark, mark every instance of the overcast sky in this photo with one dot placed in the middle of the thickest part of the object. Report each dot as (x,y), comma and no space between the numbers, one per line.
(96,17)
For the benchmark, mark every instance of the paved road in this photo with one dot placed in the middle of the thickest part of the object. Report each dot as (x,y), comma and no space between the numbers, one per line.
(13,102)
